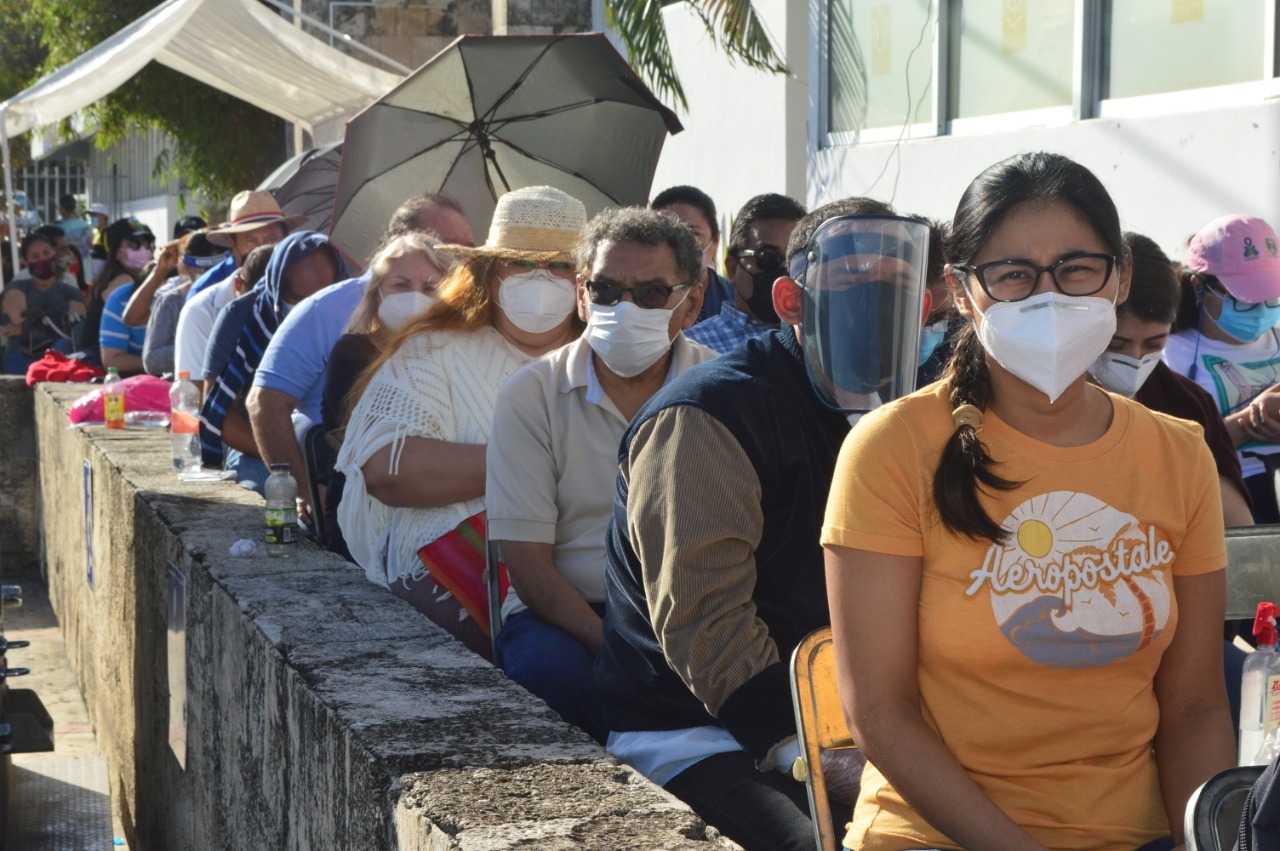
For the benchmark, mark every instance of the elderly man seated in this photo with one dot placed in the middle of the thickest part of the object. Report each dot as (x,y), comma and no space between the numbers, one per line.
(552,458)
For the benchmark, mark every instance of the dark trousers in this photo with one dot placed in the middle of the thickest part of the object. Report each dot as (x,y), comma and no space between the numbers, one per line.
(759,810)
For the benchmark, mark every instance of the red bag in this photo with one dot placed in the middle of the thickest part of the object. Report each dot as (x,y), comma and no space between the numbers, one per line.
(57,367)
(456,561)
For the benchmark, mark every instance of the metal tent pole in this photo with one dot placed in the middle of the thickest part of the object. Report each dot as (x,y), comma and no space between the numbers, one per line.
(8,188)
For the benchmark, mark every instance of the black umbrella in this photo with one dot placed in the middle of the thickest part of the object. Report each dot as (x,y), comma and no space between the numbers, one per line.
(304,185)
(493,113)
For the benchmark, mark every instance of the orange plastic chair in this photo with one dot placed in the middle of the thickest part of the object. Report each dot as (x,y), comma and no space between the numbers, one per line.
(820,724)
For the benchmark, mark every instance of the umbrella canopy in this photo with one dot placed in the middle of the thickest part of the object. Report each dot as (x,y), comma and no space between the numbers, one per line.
(489,114)
(304,185)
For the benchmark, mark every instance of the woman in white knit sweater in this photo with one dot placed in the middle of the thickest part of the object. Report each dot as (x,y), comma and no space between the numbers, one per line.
(414,448)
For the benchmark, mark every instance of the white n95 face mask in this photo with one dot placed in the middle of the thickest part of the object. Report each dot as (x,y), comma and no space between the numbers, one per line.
(1050,339)
(397,309)
(536,301)
(1122,374)
(628,338)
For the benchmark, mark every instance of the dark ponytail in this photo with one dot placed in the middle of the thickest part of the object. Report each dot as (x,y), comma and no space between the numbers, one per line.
(965,463)
(965,467)
(1189,299)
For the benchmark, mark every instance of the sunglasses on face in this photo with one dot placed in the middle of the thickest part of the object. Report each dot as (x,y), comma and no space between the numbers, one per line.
(648,296)
(1241,306)
(764,259)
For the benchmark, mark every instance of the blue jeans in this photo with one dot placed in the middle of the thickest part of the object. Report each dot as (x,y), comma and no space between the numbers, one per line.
(555,667)
(250,472)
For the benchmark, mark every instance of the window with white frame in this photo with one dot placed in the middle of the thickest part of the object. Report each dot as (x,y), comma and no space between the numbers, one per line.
(1010,56)
(1156,46)
(879,58)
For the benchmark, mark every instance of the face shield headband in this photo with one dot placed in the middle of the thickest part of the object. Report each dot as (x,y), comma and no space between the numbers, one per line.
(864,294)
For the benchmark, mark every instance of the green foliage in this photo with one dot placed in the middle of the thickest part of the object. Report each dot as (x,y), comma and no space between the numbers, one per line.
(21,56)
(221,143)
(734,25)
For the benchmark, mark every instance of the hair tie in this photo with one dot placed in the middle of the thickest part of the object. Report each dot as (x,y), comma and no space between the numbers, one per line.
(967,415)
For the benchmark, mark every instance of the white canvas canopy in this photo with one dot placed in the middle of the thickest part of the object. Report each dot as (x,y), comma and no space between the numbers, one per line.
(238,46)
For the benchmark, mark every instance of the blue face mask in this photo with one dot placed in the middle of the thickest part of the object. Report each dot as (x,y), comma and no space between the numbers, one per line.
(931,336)
(1246,325)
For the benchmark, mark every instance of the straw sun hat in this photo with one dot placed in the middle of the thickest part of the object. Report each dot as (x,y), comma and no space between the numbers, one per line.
(252,209)
(534,222)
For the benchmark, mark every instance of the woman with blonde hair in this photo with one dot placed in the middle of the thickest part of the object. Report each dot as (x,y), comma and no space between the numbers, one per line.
(414,447)
(402,283)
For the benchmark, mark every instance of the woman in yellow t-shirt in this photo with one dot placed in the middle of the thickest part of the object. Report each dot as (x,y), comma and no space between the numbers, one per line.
(1026,572)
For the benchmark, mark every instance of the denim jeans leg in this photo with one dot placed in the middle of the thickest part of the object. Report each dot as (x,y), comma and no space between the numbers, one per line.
(554,666)
(250,472)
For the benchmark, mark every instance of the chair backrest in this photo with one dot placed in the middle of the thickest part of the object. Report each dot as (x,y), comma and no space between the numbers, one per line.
(1212,822)
(1253,569)
(820,724)
(319,457)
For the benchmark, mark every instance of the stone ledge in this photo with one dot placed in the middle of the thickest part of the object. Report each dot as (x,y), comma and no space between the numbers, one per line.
(322,711)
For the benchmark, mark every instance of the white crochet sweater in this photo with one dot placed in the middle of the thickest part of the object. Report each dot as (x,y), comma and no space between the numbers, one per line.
(441,385)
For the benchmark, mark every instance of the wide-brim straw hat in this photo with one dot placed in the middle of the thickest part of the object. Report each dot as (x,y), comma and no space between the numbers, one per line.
(534,222)
(250,210)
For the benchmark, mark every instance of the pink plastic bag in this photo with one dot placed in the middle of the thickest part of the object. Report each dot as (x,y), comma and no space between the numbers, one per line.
(141,393)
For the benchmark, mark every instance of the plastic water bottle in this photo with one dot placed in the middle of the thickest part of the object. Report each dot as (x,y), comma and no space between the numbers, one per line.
(281,493)
(113,399)
(1259,686)
(184,424)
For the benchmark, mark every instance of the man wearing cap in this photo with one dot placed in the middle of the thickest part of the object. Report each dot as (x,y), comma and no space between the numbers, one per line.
(756,258)
(255,219)
(79,232)
(289,383)
(552,453)
(1229,343)
(714,569)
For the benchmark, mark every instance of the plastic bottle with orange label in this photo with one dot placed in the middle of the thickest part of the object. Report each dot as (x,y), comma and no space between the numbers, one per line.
(184,424)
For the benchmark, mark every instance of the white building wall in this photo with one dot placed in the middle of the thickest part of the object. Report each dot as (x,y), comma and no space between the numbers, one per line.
(745,130)
(1168,174)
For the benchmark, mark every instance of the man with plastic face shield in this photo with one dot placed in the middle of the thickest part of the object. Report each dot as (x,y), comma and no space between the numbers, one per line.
(714,572)
(553,451)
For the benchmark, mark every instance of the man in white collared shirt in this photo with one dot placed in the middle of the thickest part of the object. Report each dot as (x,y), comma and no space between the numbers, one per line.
(553,451)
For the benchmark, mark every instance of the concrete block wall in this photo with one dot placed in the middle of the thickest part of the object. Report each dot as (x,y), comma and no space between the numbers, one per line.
(18,535)
(322,711)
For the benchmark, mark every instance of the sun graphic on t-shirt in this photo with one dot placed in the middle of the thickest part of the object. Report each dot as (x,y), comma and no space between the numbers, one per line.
(1035,537)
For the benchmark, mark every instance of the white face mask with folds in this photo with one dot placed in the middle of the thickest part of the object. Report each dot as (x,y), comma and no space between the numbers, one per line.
(629,338)
(1050,339)
(397,309)
(536,301)
(1122,374)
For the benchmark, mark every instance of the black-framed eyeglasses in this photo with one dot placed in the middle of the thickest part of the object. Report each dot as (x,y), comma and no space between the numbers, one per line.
(764,259)
(648,296)
(1015,280)
(1241,306)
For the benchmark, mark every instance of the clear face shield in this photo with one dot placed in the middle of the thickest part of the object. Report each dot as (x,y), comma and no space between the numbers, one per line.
(864,299)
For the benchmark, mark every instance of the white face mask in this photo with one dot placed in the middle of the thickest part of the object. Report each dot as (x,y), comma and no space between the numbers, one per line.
(1048,340)
(536,301)
(1123,374)
(628,338)
(397,309)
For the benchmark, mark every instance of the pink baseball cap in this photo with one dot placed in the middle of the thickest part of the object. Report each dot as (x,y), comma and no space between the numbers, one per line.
(1240,251)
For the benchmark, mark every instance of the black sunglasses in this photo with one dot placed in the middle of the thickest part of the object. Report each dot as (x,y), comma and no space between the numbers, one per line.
(648,296)
(1241,306)
(765,259)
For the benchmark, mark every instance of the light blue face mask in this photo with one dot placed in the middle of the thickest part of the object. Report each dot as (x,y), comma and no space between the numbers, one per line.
(1246,325)
(931,336)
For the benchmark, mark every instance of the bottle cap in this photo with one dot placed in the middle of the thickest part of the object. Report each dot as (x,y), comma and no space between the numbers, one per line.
(185,375)
(1264,624)
(279,468)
